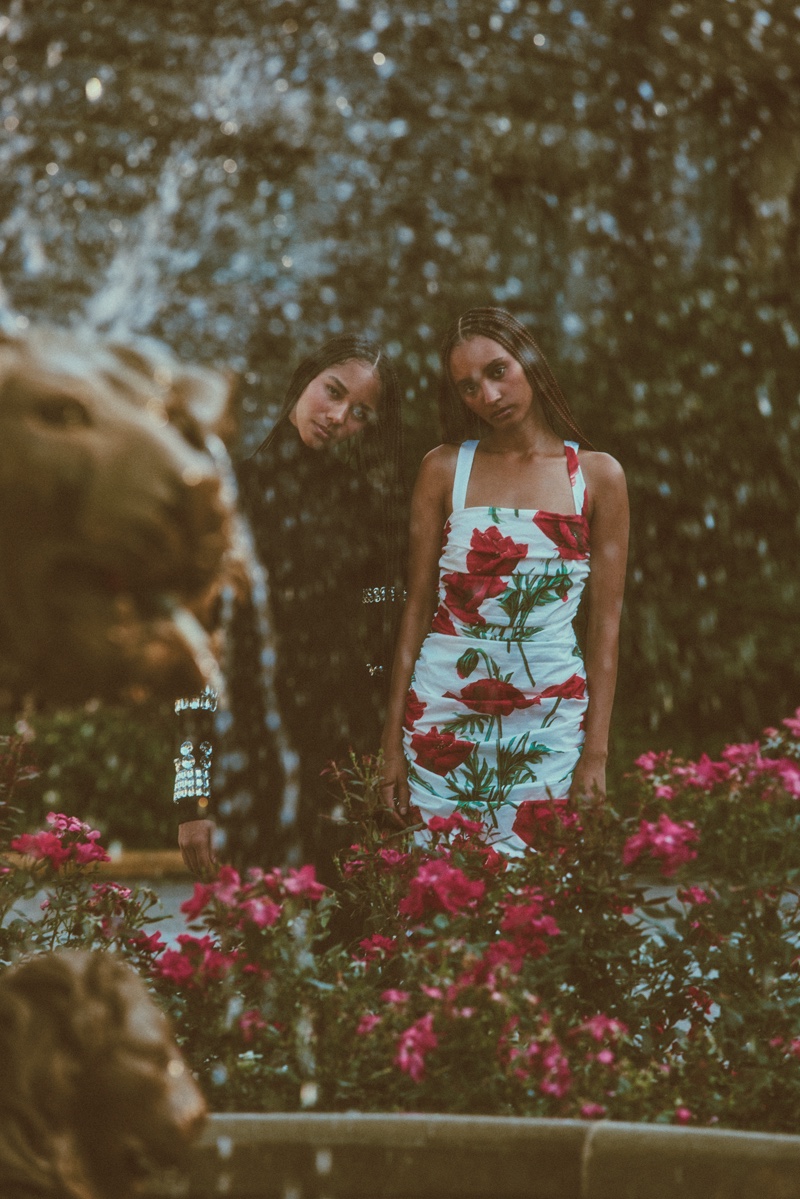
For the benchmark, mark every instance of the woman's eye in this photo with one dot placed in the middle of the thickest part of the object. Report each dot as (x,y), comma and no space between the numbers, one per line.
(499,371)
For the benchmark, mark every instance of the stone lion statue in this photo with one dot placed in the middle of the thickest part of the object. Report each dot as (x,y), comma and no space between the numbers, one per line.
(94,1092)
(114,518)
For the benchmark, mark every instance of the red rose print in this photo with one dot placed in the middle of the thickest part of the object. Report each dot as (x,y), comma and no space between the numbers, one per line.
(493,697)
(573,688)
(494,554)
(569,533)
(414,710)
(465,593)
(442,622)
(440,752)
(572,463)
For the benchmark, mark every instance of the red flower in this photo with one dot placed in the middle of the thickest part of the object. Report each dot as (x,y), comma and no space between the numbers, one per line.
(414,709)
(440,887)
(666,840)
(440,752)
(494,554)
(573,688)
(442,622)
(412,1046)
(303,882)
(534,819)
(493,697)
(569,533)
(464,594)
(456,822)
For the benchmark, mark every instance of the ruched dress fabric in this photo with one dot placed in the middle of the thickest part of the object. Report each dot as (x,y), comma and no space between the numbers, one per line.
(494,715)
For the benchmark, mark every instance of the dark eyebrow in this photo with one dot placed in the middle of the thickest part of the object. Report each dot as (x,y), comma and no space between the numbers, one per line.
(339,384)
(495,362)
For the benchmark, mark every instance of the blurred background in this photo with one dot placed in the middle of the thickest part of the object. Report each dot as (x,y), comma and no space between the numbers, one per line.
(243,179)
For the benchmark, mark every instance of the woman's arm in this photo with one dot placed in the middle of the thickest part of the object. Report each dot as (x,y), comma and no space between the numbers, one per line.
(609,521)
(430,506)
(192,791)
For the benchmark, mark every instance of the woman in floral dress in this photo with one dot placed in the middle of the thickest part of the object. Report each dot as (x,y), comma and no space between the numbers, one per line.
(492,707)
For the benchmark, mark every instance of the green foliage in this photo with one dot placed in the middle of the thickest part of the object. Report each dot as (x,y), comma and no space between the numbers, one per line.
(112,767)
(640,962)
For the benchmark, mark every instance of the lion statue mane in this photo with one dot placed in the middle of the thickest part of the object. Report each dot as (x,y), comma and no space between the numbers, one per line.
(94,1094)
(114,516)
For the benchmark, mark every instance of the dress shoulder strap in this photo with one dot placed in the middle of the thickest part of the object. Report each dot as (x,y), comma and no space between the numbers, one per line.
(576,479)
(466,453)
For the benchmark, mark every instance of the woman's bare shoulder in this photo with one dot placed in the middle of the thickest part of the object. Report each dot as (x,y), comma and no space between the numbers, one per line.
(438,466)
(601,470)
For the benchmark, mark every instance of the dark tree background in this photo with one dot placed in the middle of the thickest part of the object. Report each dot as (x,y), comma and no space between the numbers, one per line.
(244,178)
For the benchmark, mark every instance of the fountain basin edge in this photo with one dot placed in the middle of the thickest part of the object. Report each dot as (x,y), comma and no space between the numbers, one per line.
(421,1156)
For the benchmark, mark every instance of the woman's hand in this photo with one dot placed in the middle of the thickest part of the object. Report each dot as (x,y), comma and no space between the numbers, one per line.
(196,843)
(589,777)
(394,787)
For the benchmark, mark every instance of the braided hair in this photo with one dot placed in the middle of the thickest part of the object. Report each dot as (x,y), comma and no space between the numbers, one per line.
(377,451)
(457,421)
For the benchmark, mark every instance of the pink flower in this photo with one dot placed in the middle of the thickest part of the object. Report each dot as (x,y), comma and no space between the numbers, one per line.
(43,847)
(601,1027)
(440,887)
(694,895)
(666,839)
(261,912)
(706,773)
(304,882)
(200,897)
(592,1111)
(528,928)
(145,943)
(394,996)
(393,857)
(366,1024)
(683,1115)
(412,1046)
(789,774)
(250,1023)
(792,723)
(746,754)
(377,946)
(175,966)
(455,822)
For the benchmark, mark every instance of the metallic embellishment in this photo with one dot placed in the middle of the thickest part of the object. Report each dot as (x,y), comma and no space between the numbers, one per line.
(373,670)
(206,702)
(193,777)
(381,595)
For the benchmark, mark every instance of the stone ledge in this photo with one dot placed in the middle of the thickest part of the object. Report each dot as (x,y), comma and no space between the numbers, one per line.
(415,1156)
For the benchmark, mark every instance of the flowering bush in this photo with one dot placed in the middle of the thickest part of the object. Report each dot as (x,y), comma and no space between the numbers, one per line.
(640,961)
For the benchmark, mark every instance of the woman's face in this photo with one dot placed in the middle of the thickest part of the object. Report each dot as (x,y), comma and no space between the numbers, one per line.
(491,381)
(338,404)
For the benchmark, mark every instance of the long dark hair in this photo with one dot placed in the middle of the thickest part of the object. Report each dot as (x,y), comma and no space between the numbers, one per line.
(458,423)
(376,452)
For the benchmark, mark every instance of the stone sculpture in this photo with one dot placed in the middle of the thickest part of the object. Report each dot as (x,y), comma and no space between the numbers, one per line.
(114,519)
(95,1094)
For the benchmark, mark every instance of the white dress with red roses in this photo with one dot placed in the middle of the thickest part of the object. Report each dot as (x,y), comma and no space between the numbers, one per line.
(495,711)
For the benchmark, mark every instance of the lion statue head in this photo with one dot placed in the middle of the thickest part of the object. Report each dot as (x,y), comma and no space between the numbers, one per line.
(94,1092)
(114,519)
